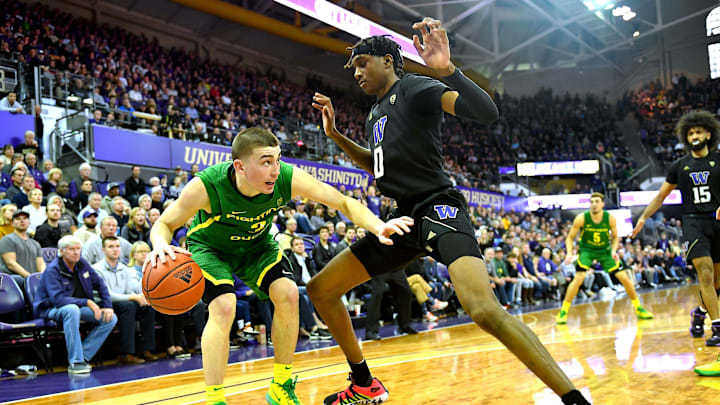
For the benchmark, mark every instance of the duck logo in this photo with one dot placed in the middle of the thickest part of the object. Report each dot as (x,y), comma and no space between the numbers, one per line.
(445,211)
(184,274)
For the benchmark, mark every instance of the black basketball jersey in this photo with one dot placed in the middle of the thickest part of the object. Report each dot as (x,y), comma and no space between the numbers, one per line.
(699,182)
(403,130)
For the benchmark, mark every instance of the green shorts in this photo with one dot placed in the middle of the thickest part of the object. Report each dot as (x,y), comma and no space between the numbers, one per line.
(603,257)
(250,266)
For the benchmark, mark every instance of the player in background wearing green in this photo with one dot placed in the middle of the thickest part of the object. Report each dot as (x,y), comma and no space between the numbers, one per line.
(235,202)
(595,227)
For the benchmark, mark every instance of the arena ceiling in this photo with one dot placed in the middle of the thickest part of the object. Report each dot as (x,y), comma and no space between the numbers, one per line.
(493,37)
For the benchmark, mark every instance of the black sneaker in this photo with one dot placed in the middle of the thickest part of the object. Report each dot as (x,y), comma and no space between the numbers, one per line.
(408,330)
(324,334)
(715,338)
(697,325)
(372,336)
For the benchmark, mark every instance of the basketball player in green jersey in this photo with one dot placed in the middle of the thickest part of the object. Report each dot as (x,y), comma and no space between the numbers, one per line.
(235,202)
(595,227)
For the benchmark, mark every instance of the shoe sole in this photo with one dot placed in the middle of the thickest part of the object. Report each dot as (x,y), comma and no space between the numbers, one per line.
(707,373)
(269,400)
(697,334)
(708,343)
(377,400)
(79,372)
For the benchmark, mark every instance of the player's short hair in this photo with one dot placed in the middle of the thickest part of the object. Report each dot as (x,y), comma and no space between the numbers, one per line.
(250,139)
(378,45)
(698,118)
(597,195)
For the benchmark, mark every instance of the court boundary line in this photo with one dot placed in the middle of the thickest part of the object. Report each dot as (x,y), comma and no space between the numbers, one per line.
(313,350)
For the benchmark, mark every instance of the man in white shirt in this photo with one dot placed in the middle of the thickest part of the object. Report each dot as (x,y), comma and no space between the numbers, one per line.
(128,303)
(92,250)
(9,103)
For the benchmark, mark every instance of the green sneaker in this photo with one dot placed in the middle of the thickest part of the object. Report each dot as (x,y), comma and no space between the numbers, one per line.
(709,370)
(561,318)
(282,394)
(643,313)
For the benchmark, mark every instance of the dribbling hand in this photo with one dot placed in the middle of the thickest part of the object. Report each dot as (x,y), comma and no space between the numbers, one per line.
(396,225)
(159,253)
(323,104)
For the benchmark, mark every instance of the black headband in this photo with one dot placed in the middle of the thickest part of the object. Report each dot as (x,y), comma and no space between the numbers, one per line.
(378,49)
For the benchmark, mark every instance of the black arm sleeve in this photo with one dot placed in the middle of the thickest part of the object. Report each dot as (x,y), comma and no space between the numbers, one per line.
(473,103)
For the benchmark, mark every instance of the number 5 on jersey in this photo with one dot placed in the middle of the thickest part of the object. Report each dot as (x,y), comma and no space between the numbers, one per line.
(378,134)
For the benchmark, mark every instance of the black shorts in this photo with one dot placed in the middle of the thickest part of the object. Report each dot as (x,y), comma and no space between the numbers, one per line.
(702,234)
(443,215)
(282,269)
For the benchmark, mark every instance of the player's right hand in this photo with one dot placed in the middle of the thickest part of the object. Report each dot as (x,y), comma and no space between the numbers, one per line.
(159,253)
(395,225)
(323,104)
(638,228)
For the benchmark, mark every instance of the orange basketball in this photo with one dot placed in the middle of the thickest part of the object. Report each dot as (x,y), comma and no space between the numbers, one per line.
(173,287)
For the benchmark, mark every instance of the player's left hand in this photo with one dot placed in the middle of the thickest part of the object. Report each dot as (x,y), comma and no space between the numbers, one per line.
(396,225)
(616,256)
(435,47)
(717,214)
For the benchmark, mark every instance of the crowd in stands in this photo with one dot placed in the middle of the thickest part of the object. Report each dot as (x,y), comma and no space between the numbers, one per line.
(210,101)
(106,234)
(102,229)
(658,109)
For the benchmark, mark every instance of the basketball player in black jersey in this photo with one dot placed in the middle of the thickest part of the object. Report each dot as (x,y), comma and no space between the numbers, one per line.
(405,156)
(697,176)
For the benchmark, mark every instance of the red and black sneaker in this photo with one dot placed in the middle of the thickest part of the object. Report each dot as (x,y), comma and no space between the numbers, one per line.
(355,394)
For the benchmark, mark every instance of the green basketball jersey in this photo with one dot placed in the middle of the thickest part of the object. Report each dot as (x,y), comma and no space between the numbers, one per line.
(236,223)
(595,236)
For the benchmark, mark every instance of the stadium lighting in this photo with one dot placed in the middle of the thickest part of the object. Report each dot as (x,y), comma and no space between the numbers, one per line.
(353,24)
(620,11)
(610,6)
(636,33)
(72,98)
(629,16)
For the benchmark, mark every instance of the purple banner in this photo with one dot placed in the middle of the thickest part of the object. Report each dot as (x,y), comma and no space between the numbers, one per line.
(14,126)
(117,145)
(494,200)
(335,175)
(135,148)
(185,154)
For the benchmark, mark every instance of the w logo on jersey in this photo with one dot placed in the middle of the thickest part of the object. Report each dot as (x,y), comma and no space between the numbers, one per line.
(379,129)
(446,211)
(699,178)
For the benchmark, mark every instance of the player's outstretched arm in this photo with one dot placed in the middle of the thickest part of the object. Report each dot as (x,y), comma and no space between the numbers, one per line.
(468,101)
(654,205)
(307,186)
(357,153)
(192,199)
(578,223)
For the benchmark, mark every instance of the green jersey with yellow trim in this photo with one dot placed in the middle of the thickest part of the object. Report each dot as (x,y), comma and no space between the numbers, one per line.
(595,236)
(237,223)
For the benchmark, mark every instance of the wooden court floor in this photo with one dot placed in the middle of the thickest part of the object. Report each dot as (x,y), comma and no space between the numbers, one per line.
(610,355)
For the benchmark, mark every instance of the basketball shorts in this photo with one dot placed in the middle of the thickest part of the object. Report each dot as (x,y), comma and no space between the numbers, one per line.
(442,229)
(702,234)
(257,267)
(603,257)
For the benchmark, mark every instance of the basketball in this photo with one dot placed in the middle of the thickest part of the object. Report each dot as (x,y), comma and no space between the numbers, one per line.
(173,287)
